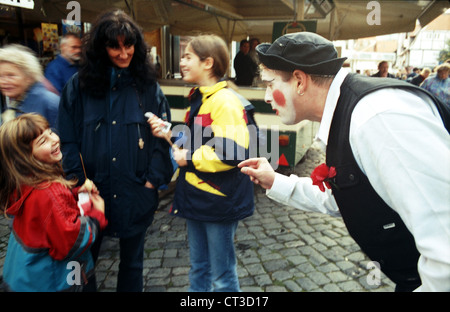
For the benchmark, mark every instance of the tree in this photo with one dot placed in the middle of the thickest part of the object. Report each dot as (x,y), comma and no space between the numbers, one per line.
(444,54)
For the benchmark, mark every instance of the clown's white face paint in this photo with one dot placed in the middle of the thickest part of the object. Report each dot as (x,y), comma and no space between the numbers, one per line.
(280,95)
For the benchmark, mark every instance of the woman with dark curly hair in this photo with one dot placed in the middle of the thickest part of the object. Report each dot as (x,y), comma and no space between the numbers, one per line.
(109,30)
(105,136)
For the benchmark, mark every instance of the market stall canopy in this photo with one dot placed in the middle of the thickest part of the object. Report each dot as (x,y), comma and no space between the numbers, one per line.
(238,19)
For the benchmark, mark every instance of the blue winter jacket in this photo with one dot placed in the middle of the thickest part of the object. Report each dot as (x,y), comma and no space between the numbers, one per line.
(211,188)
(59,71)
(39,100)
(107,131)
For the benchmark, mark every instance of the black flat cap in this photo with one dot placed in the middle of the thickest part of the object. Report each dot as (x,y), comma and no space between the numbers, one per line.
(306,51)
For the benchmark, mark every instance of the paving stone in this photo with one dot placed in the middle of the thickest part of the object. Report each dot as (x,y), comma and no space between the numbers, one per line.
(337,276)
(252,289)
(292,286)
(331,288)
(318,278)
(296,260)
(306,284)
(356,256)
(263,280)
(327,267)
(326,241)
(255,269)
(275,265)
(275,289)
(281,275)
(350,286)
(180,280)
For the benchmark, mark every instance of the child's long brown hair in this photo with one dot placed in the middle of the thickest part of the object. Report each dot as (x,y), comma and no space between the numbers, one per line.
(18,165)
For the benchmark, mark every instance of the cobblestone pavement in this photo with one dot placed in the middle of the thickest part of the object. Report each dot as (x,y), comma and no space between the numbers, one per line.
(279,249)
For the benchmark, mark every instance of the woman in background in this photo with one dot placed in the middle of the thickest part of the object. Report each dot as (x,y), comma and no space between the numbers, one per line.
(21,82)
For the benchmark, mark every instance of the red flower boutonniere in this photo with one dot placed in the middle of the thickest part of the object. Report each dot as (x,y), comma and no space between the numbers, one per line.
(323,175)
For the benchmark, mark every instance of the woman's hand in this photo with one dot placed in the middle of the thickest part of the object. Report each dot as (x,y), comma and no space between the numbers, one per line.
(149,185)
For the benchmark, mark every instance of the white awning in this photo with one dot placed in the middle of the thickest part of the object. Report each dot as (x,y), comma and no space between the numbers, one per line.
(238,19)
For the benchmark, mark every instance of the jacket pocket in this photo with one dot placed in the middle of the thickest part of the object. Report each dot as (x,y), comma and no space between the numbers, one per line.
(224,181)
(203,185)
(137,142)
(94,146)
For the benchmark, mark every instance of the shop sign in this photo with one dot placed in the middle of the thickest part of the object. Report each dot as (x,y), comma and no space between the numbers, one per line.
(27,4)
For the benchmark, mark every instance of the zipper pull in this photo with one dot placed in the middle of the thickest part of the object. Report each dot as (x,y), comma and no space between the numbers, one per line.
(141,141)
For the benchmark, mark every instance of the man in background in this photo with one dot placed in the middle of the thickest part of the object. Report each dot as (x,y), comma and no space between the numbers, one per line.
(65,65)
(244,66)
(383,70)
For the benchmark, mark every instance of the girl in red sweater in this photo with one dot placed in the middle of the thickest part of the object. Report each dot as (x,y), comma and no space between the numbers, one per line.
(49,246)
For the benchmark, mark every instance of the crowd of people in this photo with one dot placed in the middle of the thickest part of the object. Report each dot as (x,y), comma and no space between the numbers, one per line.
(435,81)
(80,159)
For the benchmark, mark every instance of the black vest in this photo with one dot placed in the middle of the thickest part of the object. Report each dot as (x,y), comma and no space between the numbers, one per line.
(377,228)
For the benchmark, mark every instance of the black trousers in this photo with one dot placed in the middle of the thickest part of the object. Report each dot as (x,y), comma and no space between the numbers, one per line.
(129,278)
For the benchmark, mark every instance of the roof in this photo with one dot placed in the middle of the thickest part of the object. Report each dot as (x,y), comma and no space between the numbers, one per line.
(440,23)
(237,19)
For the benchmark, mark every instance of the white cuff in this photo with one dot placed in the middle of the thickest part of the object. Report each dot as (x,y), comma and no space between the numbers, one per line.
(282,188)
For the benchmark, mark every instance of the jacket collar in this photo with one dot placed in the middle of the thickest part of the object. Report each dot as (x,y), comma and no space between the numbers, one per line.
(120,77)
(207,91)
(198,95)
(330,105)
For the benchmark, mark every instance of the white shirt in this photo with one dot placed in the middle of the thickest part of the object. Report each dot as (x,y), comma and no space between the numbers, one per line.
(404,149)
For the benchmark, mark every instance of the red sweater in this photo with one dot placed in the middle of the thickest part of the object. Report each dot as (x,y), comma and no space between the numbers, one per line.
(49,218)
